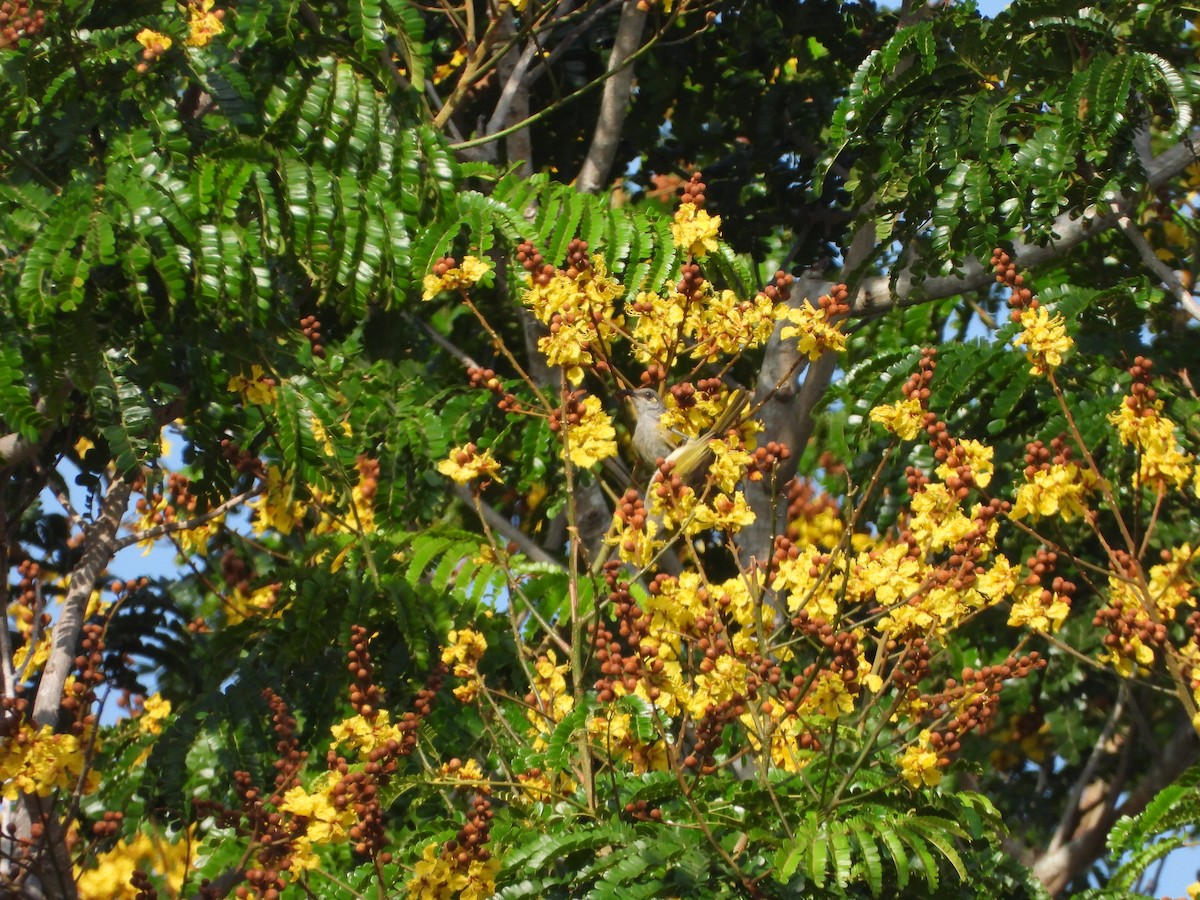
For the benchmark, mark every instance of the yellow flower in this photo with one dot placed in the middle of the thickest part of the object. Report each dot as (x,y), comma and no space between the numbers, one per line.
(1046,339)
(203,23)
(258,389)
(1039,610)
(722,513)
(976,456)
(593,438)
(325,823)
(155,710)
(1162,462)
(726,678)
(274,508)
(694,230)
(919,763)
(38,761)
(366,735)
(903,419)
(153,41)
(109,878)
(466,274)
(553,699)
(467,463)
(463,652)
(815,332)
(1058,490)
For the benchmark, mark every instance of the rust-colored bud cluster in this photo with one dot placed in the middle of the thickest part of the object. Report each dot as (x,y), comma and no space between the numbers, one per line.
(691,283)
(535,264)
(364,695)
(642,811)
(19,20)
(615,666)
(1142,397)
(81,694)
(578,260)
(244,462)
(1022,297)
(766,458)
(108,825)
(470,843)
(836,303)
(310,326)
(571,412)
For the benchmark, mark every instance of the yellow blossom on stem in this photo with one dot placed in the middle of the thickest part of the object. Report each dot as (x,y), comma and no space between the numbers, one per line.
(938,521)
(658,332)
(465,275)
(1046,339)
(155,710)
(593,437)
(439,876)
(464,650)
(1059,490)
(977,457)
(325,823)
(726,326)
(903,419)
(203,23)
(694,230)
(38,761)
(274,508)
(258,389)
(156,43)
(1038,610)
(815,333)
(552,698)
(1161,462)
(468,462)
(364,735)
(719,685)
(109,877)
(722,513)
(829,696)
(1170,585)
(919,763)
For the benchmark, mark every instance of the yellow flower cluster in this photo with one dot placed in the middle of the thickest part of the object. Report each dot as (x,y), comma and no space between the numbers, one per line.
(593,437)
(38,761)
(203,23)
(1038,610)
(465,275)
(274,508)
(903,419)
(463,652)
(1059,490)
(694,230)
(155,710)
(324,823)
(1046,339)
(156,43)
(468,462)
(257,390)
(580,314)
(109,878)
(919,763)
(365,735)
(815,333)
(550,695)
(1161,462)
(438,877)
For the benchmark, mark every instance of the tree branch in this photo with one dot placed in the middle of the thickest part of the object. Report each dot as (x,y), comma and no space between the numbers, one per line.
(614,104)
(1055,869)
(876,295)
(503,526)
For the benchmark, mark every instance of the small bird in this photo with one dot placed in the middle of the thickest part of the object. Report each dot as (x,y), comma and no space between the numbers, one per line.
(652,441)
